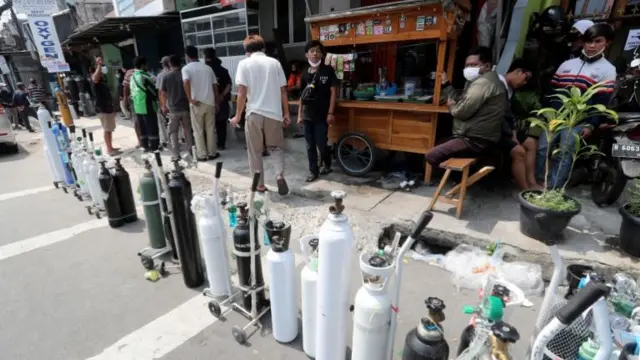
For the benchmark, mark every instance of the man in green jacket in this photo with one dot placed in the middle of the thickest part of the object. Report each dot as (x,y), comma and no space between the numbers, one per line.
(478,114)
(145,104)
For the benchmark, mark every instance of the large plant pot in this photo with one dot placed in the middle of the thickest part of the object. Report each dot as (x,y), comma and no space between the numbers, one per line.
(629,232)
(543,224)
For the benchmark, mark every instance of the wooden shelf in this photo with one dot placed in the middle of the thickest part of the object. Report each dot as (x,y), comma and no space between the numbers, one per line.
(398,106)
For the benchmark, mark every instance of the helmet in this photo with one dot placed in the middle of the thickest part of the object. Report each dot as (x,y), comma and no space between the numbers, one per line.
(552,20)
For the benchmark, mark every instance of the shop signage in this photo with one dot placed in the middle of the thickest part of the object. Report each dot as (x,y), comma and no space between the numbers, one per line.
(633,39)
(230,2)
(36,7)
(48,44)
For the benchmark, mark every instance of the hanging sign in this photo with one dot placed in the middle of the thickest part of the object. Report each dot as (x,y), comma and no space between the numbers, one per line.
(36,7)
(633,39)
(48,44)
(230,2)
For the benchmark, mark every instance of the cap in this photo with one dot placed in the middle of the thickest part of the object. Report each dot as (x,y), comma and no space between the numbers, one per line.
(583,25)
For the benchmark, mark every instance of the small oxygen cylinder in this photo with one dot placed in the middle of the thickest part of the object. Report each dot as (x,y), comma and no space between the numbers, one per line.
(185,227)
(426,341)
(125,193)
(372,308)
(51,153)
(110,196)
(309,290)
(282,279)
(166,214)
(242,250)
(62,145)
(213,246)
(86,168)
(151,207)
(334,279)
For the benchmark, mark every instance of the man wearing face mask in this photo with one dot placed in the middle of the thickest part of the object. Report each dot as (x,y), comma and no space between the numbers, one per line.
(582,73)
(575,37)
(478,114)
(104,105)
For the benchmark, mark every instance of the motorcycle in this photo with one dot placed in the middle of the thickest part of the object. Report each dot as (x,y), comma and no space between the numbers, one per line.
(620,147)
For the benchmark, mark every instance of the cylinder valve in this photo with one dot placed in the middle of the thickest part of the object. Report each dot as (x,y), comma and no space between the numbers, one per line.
(337,207)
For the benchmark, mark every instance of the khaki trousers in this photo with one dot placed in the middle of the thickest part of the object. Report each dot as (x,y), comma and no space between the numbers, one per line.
(204,130)
(179,121)
(254,128)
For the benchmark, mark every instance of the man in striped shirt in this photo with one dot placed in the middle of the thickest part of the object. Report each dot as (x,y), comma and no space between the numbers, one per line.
(126,91)
(37,94)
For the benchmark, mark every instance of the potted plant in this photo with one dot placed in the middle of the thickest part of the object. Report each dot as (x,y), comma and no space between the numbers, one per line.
(544,214)
(630,226)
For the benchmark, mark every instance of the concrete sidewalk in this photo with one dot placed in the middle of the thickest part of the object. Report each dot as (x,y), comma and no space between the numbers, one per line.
(489,215)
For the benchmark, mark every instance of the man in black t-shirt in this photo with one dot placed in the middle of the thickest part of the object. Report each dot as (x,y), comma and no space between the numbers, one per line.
(317,103)
(224,88)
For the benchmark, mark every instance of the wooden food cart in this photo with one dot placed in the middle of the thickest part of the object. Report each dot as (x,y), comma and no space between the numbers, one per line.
(401,125)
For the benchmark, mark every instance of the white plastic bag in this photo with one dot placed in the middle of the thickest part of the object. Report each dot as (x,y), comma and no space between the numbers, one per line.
(525,275)
(470,265)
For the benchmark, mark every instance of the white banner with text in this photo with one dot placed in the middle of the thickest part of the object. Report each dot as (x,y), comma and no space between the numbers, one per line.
(47,43)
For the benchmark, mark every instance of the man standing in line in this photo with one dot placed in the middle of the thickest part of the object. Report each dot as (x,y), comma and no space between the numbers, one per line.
(145,104)
(21,100)
(224,88)
(262,86)
(316,109)
(162,121)
(126,93)
(175,105)
(200,86)
(104,105)
(6,99)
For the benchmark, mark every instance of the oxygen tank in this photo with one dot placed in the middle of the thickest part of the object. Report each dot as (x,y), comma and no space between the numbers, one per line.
(213,244)
(86,168)
(166,213)
(336,251)
(372,308)
(61,137)
(77,158)
(426,341)
(242,250)
(110,196)
(185,227)
(309,290)
(50,151)
(151,207)
(220,199)
(282,279)
(125,193)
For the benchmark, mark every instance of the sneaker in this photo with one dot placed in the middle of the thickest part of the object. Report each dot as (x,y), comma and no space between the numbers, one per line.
(213,157)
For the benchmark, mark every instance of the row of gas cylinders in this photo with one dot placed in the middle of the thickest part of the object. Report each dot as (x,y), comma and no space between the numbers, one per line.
(77,166)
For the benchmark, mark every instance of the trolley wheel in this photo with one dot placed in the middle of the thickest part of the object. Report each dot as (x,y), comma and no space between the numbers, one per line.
(147,262)
(356,154)
(214,309)
(239,335)
(98,216)
(79,197)
(163,269)
(89,210)
(56,185)
(64,188)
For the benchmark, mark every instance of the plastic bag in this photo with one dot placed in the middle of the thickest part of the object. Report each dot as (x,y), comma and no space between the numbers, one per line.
(526,276)
(470,265)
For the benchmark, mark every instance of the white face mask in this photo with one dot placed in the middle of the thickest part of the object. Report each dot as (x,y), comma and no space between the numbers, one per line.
(594,55)
(315,65)
(104,69)
(471,73)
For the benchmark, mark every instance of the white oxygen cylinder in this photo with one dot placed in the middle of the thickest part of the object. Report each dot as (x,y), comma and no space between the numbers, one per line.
(204,206)
(335,253)
(227,240)
(90,167)
(309,290)
(50,147)
(372,308)
(77,158)
(282,290)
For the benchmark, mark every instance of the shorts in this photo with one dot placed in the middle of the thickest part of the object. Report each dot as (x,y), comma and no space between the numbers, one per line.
(108,121)
(507,144)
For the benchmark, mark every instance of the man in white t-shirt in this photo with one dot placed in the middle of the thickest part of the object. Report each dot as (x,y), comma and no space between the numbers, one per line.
(262,86)
(202,92)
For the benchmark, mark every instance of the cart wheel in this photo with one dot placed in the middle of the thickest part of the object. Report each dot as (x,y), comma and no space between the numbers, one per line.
(147,262)
(356,154)
(215,309)
(89,210)
(239,335)
(163,270)
(64,188)
(98,216)
(79,197)
(56,185)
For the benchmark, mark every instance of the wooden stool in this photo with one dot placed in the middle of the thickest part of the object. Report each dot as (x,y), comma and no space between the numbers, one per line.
(461,189)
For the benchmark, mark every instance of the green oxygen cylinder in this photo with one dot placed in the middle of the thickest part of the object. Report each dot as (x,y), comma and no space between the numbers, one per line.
(151,206)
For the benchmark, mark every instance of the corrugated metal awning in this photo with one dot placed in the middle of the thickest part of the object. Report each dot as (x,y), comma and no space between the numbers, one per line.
(116,29)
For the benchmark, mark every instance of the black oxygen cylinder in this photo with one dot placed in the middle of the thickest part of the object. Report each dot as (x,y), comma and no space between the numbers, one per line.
(426,342)
(166,214)
(185,227)
(242,250)
(125,193)
(108,188)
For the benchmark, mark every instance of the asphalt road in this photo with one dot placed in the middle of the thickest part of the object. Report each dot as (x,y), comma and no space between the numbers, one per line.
(73,288)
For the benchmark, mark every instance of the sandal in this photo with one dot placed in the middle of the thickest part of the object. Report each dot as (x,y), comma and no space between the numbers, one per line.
(312,178)
(283,188)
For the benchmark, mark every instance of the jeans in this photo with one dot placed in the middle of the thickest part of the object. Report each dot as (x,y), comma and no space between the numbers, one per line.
(222,118)
(560,163)
(149,136)
(23,115)
(315,134)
